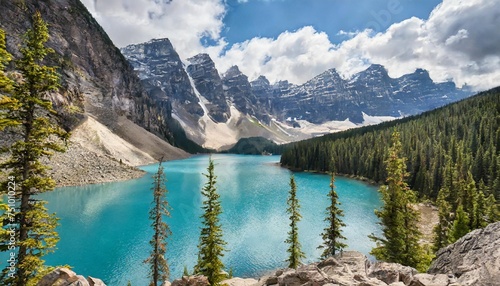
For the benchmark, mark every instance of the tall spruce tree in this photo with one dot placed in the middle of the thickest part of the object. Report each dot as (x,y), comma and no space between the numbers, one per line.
(159,270)
(25,110)
(442,229)
(460,224)
(400,241)
(211,246)
(332,235)
(295,253)
(5,88)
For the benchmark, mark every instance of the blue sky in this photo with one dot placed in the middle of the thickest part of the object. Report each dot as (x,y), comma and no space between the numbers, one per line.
(296,40)
(267,18)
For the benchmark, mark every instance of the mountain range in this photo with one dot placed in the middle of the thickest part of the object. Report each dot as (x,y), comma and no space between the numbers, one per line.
(205,100)
(189,103)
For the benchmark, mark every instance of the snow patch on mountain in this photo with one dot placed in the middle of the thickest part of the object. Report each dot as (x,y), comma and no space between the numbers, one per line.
(372,120)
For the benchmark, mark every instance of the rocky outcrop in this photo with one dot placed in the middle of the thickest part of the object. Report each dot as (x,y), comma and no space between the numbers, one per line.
(66,277)
(197,280)
(349,268)
(329,97)
(96,79)
(474,259)
(161,69)
(238,89)
(209,84)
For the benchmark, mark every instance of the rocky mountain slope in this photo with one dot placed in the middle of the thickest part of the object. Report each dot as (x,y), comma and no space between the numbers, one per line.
(474,260)
(96,80)
(214,111)
(204,100)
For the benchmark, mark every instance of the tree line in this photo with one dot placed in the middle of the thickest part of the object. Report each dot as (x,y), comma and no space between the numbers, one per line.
(28,118)
(466,132)
(28,230)
(452,155)
(211,245)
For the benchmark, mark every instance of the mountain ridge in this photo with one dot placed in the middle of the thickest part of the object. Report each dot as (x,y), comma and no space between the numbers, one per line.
(285,108)
(96,81)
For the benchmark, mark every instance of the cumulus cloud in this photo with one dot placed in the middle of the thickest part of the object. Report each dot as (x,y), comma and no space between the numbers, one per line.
(184,22)
(458,42)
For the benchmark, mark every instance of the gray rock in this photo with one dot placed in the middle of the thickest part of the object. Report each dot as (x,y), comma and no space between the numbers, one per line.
(80,282)
(95,281)
(272,280)
(474,259)
(429,280)
(236,281)
(391,272)
(64,276)
(197,280)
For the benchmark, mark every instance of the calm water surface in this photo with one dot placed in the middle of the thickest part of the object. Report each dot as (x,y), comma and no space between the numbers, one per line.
(105,228)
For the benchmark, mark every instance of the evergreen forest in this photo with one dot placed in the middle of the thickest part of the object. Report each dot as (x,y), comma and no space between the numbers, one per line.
(464,135)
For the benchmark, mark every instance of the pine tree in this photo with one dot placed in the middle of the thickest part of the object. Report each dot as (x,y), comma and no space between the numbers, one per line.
(400,243)
(460,224)
(5,87)
(492,212)
(442,229)
(470,202)
(332,235)
(159,270)
(6,84)
(211,246)
(294,249)
(25,110)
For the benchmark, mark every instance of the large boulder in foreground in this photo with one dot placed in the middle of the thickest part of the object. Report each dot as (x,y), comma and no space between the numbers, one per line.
(64,276)
(349,268)
(474,259)
(197,280)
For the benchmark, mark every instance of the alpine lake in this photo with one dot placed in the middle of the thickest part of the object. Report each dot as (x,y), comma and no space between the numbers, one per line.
(105,230)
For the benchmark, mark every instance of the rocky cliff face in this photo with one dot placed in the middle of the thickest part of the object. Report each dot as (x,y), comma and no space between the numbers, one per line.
(474,259)
(209,84)
(93,72)
(326,98)
(96,79)
(330,97)
(161,70)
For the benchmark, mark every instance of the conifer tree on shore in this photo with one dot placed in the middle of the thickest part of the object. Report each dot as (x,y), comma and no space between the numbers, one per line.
(159,269)
(460,224)
(400,241)
(25,111)
(332,235)
(211,245)
(295,253)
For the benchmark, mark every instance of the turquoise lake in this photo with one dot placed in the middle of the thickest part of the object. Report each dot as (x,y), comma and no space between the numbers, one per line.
(105,229)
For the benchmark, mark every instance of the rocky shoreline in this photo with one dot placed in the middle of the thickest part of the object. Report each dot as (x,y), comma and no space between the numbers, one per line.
(78,166)
(474,260)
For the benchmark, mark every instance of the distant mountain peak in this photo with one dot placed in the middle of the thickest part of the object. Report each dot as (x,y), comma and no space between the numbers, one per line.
(200,59)
(261,81)
(233,71)
(376,69)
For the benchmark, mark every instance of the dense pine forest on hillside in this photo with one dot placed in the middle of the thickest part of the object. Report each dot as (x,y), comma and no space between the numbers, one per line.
(461,138)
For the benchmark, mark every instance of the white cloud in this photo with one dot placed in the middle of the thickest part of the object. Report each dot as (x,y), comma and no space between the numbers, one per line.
(184,22)
(459,41)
